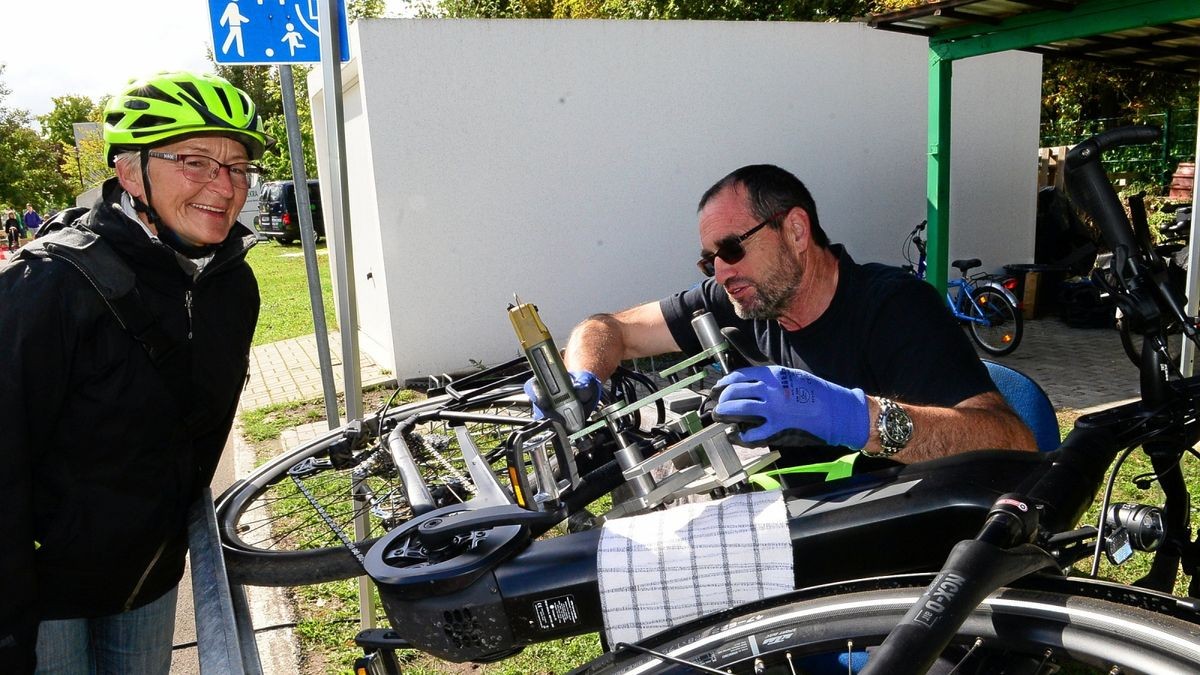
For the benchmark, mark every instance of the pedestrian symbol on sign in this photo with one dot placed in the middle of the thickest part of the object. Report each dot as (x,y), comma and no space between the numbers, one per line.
(234,19)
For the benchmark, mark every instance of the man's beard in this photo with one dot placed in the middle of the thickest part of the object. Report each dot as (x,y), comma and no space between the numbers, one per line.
(773,294)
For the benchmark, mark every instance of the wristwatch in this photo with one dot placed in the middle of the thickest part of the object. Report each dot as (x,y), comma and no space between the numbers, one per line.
(895,428)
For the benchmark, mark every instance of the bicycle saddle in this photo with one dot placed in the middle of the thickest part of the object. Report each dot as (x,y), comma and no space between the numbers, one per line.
(964,265)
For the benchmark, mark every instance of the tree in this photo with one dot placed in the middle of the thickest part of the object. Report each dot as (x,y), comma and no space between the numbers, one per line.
(1085,90)
(86,167)
(29,173)
(736,10)
(57,124)
(58,130)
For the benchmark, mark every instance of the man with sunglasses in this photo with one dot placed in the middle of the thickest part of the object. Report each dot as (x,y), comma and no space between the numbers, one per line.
(865,356)
(127,332)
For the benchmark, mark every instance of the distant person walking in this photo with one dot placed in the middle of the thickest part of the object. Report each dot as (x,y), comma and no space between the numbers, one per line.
(12,227)
(32,220)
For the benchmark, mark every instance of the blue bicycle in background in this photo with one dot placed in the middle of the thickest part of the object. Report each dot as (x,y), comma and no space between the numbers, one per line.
(981,301)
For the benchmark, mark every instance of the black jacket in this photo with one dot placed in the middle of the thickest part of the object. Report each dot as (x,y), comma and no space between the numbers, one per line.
(97,464)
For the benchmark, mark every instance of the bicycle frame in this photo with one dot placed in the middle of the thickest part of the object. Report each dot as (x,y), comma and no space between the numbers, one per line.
(959,292)
(482,587)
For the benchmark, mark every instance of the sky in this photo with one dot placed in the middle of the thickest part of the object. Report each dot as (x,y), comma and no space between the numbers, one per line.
(60,47)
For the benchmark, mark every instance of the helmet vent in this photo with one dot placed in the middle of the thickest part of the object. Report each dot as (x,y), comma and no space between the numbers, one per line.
(224,96)
(149,122)
(190,88)
(151,91)
(136,104)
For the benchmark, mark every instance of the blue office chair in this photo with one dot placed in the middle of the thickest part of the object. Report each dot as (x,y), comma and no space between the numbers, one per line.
(1030,403)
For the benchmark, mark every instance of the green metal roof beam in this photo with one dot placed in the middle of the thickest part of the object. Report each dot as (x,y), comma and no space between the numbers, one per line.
(1089,18)
(937,180)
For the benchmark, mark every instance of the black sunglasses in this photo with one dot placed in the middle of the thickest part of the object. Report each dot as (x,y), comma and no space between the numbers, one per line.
(730,248)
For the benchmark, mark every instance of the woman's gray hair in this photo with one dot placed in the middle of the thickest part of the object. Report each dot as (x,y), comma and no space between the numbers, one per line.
(133,156)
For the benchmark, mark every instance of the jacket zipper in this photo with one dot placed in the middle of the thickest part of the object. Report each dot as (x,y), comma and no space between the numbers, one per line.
(187,303)
(145,574)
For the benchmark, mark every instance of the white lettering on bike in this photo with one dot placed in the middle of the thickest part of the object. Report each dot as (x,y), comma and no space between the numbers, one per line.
(556,612)
(776,638)
(937,598)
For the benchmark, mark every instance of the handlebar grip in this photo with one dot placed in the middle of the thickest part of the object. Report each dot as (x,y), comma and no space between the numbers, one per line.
(1089,185)
(1115,138)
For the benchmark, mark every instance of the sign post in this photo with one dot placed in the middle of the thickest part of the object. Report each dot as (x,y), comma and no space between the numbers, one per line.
(283,32)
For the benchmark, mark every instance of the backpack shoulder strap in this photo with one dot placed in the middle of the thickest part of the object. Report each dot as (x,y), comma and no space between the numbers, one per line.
(70,241)
(92,257)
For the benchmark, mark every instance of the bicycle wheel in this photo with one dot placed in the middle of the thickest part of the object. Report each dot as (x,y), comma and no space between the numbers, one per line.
(1093,627)
(289,522)
(1003,325)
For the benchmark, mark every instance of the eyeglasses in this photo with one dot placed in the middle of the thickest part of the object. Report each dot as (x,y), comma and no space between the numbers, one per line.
(730,248)
(203,169)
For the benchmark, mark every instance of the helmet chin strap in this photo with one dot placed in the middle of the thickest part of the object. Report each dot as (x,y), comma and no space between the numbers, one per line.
(165,234)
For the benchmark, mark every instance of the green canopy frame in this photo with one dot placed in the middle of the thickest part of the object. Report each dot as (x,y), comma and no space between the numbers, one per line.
(1160,34)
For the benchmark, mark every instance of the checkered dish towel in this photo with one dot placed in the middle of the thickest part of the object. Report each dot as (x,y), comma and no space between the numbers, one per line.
(663,568)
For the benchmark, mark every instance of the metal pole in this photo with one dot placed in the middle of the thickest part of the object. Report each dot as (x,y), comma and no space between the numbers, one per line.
(1187,356)
(308,241)
(225,641)
(343,254)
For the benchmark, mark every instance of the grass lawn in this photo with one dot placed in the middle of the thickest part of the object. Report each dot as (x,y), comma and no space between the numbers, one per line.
(283,286)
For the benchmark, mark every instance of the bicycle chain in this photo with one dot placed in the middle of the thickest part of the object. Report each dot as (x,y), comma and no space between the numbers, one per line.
(341,534)
(449,466)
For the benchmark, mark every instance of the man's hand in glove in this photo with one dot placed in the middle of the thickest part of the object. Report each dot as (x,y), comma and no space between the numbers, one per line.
(587,387)
(773,405)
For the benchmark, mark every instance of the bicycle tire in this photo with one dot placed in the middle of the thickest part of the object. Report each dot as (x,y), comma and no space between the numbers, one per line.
(1005,326)
(259,517)
(1084,623)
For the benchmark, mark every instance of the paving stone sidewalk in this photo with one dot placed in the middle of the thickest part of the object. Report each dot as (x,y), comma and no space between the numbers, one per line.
(290,370)
(1079,368)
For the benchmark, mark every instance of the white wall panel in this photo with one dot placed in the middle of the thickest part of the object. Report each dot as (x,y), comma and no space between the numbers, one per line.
(563,160)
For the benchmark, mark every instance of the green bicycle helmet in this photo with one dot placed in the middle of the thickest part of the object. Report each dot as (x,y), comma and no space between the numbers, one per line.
(166,106)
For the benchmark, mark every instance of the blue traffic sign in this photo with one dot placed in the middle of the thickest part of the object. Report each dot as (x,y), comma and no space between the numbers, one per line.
(261,32)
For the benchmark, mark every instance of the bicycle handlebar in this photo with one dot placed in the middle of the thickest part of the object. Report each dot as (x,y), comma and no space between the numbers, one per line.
(1090,187)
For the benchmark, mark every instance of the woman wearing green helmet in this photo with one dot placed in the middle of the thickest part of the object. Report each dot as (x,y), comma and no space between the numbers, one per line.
(201,129)
(122,422)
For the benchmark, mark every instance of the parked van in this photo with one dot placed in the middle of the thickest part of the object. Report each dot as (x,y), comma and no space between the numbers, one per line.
(249,213)
(277,217)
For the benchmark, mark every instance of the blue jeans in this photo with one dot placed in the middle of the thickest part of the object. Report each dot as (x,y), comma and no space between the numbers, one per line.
(137,641)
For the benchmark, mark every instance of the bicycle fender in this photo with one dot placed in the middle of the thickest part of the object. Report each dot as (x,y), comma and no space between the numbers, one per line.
(999,288)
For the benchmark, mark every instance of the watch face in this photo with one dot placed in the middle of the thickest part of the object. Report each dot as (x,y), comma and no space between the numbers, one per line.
(898,427)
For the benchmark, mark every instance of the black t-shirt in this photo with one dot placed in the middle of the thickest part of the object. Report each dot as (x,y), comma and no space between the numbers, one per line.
(885,332)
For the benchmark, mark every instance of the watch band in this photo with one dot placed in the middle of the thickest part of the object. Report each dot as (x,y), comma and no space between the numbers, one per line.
(895,428)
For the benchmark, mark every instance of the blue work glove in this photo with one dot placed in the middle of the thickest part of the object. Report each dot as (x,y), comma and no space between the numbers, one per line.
(587,387)
(773,405)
